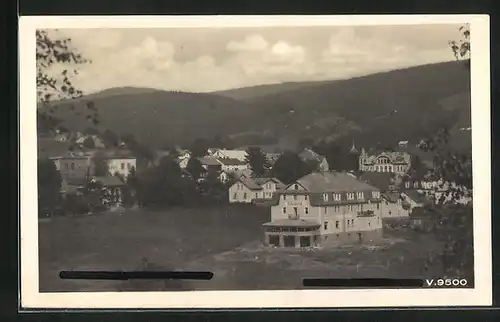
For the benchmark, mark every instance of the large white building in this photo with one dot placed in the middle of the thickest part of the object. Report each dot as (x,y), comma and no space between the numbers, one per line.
(385,161)
(325,208)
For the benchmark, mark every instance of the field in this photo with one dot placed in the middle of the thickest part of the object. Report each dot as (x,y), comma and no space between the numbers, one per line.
(224,240)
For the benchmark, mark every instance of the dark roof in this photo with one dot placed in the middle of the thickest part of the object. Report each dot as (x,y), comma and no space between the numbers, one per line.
(109,181)
(209,161)
(230,161)
(250,184)
(333,182)
(391,196)
(415,196)
(380,180)
(292,223)
(261,181)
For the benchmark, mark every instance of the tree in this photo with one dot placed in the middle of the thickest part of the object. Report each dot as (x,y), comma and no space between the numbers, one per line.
(89,143)
(91,131)
(195,168)
(461,49)
(257,160)
(199,147)
(100,164)
(94,195)
(49,186)
(110,138)
(51,51)
(289,167)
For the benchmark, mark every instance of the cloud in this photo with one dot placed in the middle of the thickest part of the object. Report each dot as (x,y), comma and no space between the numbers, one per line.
(250,43)
(208,60)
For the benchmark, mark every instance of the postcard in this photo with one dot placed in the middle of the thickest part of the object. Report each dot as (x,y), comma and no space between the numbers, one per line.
(224,162)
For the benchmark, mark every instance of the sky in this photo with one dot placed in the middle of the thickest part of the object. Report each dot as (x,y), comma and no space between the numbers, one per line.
(212,59)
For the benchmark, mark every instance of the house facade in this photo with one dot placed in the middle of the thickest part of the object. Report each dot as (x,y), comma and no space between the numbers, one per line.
(121,165)
(394,206)
(73,166)
(325,208)
(248,190)
(385,161)
(233,165)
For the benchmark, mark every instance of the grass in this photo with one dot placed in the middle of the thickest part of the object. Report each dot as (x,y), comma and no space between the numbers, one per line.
(225,240)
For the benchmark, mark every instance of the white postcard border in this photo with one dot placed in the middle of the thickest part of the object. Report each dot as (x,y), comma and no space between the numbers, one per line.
(481,295)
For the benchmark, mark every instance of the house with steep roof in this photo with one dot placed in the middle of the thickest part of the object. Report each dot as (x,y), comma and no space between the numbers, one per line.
(325,208)
(249,190)
(231,165)
(318,161)
(384,161)
(240,155)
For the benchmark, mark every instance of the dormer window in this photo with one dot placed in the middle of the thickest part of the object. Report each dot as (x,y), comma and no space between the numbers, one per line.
(360,195)
(376,194)
(415,184)
(296,186)
(350,196)
(325,197)
(407,184)
(337,196)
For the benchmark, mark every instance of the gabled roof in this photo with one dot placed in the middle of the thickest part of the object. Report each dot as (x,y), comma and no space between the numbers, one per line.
(233,154)
(250,183)
(262,181)
(415,196)
(318,182)
(391,196)
(380,180)
(209,161)
(231,161)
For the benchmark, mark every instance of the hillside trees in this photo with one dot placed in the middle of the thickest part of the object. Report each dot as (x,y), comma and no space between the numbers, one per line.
(100,164)
(195,168)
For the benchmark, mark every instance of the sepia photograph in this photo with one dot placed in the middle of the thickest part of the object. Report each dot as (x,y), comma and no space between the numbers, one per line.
(165,160)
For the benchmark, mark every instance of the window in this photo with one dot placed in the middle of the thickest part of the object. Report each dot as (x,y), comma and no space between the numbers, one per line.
(336,208)
(284,210)
(360,195)
(305,197)
(284,197)
(415,184)
(337,224)
(72,166)
(376,194)
(235,196)
(122,166)
(407,184)
(349,208)
(294,197)
(129,166)
(337,196)
(296,187)
(350,196)
(256,195)
(244,195)
(352,223)
(325,210)
(325,197)
(348,222)
(306,210)
(369,224)
(378,206)
(325,225)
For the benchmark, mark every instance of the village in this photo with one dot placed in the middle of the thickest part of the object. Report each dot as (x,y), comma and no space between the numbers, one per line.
(314,206)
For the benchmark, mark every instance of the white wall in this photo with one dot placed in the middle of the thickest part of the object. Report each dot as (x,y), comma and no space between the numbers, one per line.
(268,189)
(122,166)
(239,193)
(394,210)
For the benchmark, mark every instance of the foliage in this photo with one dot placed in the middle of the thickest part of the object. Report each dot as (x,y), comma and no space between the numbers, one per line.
(257,160)
(49,183)
(338,159)
(94,195)
(51,82)
(195,168)
(199,147)
(461,49)
(89,143)
(100,164)
(289,167)
(110,138)
(142,152)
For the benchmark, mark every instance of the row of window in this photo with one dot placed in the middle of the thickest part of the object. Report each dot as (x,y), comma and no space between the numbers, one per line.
(351,196)
(71,166)
(350,224)
(335,208)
